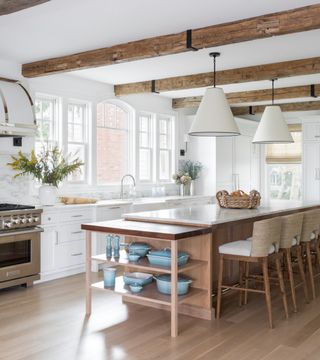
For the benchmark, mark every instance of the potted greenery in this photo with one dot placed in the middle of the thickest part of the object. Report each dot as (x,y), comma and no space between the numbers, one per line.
(49,167)
(193,169)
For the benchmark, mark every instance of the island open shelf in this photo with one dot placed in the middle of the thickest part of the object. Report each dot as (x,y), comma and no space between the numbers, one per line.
(149,293)
(196,241)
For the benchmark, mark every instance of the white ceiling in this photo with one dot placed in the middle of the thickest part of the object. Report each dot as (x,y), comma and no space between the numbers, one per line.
(62,27)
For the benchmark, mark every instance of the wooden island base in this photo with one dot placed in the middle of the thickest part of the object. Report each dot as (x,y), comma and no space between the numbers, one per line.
(196,241)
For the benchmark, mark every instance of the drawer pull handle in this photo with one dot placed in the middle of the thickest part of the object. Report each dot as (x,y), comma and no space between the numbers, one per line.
(76,216)
(76,232)
(76,254)
(317,136)
(114,207)
(49,218)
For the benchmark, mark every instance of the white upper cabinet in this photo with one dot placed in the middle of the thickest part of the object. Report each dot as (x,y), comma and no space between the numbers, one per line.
(311,131)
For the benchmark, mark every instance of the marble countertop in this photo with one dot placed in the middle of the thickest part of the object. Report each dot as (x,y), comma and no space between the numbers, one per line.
(119,202)
(208,215)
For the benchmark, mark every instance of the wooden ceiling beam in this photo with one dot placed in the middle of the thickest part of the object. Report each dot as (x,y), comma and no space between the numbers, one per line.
(287,107)
(281,23)
(294,92)
(11,6)
(224,77)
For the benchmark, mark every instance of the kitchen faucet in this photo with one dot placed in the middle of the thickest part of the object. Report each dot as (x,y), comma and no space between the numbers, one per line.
(122,180)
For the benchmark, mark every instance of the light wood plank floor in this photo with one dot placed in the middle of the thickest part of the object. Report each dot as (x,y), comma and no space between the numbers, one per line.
(47,322)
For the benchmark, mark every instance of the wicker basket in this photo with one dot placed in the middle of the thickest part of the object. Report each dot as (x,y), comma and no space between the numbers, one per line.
(238,199)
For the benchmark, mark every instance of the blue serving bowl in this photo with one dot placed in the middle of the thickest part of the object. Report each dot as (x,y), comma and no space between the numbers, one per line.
(133,257)
(139,278)
(135,288)
(138,248)
(164,284)
(163,258)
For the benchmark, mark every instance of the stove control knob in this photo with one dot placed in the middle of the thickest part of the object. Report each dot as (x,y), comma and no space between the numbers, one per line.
(36,219)
(23,221)
(8,224)
(15,221)
(29,220)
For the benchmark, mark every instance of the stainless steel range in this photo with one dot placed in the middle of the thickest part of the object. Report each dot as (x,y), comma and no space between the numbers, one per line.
(19,245)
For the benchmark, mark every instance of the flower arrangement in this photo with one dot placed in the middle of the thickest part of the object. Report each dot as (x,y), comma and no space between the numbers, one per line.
(48,167)
(192,168)
(182,178)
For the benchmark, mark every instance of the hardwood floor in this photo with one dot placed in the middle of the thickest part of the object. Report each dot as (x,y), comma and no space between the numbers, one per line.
(47,322)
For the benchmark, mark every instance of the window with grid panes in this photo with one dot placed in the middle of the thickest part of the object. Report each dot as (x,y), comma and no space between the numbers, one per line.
(165,142)
(112,143)
(145,147)
(46,110)
(78,137)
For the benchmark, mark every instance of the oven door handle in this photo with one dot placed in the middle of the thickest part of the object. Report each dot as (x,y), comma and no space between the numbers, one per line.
(34,230)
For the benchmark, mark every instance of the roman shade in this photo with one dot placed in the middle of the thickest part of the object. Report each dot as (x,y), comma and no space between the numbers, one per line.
(286,153)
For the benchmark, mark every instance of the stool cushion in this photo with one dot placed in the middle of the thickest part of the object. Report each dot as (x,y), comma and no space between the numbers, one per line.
(240,247)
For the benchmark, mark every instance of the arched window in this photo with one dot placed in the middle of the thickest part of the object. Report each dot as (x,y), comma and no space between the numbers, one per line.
(113,142)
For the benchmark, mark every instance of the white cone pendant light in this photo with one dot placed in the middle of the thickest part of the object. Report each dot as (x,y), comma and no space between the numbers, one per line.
(214,116)
(272,128)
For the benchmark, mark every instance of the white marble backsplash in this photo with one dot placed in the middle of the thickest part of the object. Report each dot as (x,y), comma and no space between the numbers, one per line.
(22,190)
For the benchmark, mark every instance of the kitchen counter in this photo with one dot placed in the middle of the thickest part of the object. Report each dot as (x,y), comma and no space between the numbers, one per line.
(137,201)
(209,215)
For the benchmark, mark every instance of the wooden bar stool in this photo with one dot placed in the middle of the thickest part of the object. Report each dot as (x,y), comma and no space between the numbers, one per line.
(261,248)
(309,235)
(289,245)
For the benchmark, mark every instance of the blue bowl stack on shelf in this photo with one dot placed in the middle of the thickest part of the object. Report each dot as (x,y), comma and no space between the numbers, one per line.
(163,257)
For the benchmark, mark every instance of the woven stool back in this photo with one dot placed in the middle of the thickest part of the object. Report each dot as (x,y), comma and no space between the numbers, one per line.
(310,226)
(291,229)
(265,234)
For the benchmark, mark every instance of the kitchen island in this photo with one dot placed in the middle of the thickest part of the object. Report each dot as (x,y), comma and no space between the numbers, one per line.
(227,225)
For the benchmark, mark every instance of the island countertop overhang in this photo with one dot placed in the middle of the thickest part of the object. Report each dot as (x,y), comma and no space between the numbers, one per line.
(210,215)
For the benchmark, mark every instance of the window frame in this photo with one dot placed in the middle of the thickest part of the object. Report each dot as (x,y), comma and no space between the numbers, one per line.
(86,136)
(131,141)
(57,131)
(170,119)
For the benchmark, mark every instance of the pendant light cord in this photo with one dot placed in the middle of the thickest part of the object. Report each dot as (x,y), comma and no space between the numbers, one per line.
(214,70)
(272,91)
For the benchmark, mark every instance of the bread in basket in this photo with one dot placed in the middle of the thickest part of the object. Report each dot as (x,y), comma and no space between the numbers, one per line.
(238,199)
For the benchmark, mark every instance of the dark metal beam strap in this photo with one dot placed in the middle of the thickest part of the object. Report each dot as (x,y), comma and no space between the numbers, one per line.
(313,91)
(153,87)
(189,41)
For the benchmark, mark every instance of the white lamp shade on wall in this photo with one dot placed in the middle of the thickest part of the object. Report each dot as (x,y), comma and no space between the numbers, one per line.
(272,128)
(214,116)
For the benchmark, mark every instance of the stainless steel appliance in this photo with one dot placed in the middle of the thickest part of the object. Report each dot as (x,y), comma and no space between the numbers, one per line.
(19,245)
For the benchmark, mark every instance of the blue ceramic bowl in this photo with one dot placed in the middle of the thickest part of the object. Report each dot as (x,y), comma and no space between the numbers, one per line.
(133,257)
(163,258)
(135,288)
(138,248)
(164,284)
(137,278)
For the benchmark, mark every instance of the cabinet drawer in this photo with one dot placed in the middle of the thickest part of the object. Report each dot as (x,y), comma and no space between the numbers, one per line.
(72,232)
(49,218)
(70,254)
(75,215)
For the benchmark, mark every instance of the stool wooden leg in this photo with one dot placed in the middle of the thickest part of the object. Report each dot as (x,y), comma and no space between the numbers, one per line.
(318,252)
(267,289)
(220,276)
(246,283)
(281,283)
(302,274)
(309,260)
(291,279)
(241,265)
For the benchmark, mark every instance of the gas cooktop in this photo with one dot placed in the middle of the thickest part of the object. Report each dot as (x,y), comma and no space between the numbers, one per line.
(9,207)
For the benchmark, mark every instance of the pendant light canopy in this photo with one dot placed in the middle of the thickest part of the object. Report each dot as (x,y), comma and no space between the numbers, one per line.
(214,116)
(272,128)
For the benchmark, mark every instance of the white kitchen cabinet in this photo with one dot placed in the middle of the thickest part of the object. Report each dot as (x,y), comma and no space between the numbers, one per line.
(311,171)
(63,241)
(311,131)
